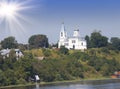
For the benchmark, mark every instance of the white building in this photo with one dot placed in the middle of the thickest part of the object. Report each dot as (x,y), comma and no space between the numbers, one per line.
(75,42)
(5,53)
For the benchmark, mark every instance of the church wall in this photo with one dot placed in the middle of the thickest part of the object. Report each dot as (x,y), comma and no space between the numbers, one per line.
(75,43)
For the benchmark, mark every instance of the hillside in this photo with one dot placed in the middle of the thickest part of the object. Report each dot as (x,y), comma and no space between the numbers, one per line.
(93,63)
(58,65)
(98,52)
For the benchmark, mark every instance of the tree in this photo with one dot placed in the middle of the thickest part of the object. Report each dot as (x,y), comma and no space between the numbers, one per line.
(64,50)
(9,42)
(23,46)
(2,77)
(115,42)
(97,40)
(37,41)
(46,52)
(87,38)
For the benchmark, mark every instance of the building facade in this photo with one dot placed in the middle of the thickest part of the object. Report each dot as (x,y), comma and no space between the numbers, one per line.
(75,42)
(6,52)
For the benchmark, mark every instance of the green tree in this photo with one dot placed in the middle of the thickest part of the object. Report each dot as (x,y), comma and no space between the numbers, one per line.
(10,78)
(46,52)
(2,78)
(37,41)
(64,50)
(87,38)
(115,42)
(97,40)
(23,47)
(9,42)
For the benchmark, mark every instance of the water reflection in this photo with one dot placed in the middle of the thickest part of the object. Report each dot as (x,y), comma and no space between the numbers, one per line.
(106,84)
(37,86)
(78,86)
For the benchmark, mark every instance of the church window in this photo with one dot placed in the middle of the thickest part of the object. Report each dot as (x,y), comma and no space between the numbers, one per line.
(66,44)
(82,44)
(73,41)
(61,34)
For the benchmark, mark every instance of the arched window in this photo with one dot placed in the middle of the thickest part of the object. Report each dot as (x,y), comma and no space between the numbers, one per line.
(82,44)
(73,41)
(61,34)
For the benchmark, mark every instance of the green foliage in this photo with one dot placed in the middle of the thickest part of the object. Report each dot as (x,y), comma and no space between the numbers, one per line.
(115,42)
(64,50)
(21,81)
(97,40)
(2,78)
(9,42)
(80,56)
(87,38)
(105,50)
(76,65)
(99,61)
(22,47)
(16,72)
(107,67)
(10,78)
(96,63)
(46,52)
(37,41)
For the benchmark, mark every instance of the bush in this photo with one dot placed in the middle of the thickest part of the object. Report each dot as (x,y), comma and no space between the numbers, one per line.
(46,52)
(64,50)
(105,50)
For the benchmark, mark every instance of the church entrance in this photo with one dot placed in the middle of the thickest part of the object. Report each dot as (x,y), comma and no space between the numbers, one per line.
(73,46)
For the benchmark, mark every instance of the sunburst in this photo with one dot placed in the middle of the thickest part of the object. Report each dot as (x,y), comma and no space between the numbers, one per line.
(11,15)
(7,10)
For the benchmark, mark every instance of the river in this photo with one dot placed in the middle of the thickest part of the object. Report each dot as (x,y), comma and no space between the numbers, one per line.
(99,84)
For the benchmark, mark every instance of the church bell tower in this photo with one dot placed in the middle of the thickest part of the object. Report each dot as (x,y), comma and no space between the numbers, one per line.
(63,36)
(76,33)
(63,33)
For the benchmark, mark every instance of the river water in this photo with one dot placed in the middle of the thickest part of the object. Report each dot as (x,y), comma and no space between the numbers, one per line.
(99,84)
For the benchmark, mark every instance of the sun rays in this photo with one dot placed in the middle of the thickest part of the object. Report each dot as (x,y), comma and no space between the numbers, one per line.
(11,15)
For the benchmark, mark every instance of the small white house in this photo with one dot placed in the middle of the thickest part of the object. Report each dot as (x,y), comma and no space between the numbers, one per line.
(5,53)
(75,42)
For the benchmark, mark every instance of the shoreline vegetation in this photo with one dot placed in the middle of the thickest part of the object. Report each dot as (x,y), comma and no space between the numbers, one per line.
(83,81)
(92,64)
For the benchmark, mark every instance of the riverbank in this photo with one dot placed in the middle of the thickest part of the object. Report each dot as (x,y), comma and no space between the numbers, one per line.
(84,81)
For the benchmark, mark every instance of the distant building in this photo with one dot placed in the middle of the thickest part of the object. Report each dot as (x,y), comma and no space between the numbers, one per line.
(5,53)
(116,74)
(76,42)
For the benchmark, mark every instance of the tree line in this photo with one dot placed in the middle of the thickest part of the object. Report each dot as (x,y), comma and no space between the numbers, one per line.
(95,40)
(35,41)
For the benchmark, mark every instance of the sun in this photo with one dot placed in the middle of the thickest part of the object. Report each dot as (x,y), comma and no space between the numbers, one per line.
(12,9)
(8,10)
(14,17)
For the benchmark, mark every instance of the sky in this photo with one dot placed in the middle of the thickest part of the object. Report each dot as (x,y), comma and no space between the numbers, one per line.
(46,17)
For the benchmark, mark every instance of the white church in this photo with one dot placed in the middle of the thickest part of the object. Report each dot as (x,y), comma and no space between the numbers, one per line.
(75,42)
